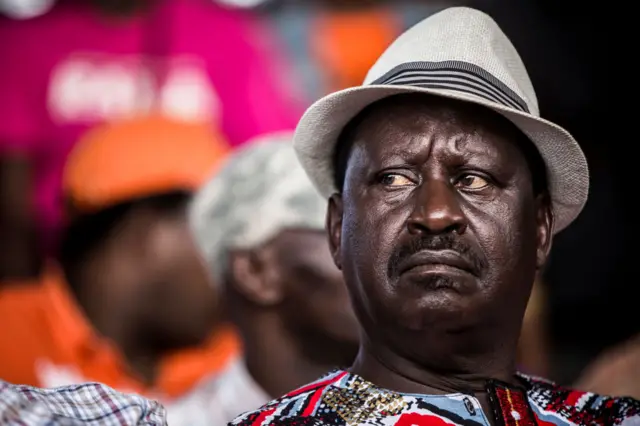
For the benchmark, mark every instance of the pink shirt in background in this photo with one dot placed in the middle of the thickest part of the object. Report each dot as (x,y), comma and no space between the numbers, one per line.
(73,68)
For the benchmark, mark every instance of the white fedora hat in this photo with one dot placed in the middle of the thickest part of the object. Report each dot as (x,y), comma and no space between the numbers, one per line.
(458,53)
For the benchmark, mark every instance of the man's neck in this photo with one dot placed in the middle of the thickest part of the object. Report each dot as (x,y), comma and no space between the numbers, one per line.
(275,361)
(141,359)
(392,371)
(386,369)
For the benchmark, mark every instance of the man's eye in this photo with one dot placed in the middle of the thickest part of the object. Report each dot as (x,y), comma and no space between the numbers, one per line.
(395,179)
(471,182)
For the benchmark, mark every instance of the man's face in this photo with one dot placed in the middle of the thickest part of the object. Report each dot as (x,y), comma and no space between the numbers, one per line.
(293,276)
(181,302)
(437,226)
(316,297)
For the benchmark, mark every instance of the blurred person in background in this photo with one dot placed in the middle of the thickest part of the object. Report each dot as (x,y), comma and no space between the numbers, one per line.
(347,37)
(87,62)
(130,294)
(87,404)
(260,224)
(614,372)
(333,43)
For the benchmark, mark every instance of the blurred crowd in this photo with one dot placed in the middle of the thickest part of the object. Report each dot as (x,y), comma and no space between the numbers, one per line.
(158,235)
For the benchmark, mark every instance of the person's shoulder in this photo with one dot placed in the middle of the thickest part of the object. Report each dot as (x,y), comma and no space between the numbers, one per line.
(298,407)
(87,403)
(580,407)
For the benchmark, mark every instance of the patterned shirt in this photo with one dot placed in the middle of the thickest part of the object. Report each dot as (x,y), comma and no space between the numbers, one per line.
(86,404)
(344,399)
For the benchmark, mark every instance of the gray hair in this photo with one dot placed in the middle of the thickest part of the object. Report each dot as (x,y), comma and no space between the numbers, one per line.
(261,190)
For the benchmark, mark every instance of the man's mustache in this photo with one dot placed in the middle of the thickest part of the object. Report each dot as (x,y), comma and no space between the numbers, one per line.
(449,241)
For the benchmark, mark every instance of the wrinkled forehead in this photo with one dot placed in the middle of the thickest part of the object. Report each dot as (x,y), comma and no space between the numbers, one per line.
(398,125)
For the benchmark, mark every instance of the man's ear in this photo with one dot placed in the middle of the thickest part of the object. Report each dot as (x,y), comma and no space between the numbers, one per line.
(544,219)
(252,276)
(334,228)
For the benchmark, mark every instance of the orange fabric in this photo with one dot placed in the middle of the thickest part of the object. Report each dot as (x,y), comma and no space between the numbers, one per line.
(347,43)
(41,323)
(119,161)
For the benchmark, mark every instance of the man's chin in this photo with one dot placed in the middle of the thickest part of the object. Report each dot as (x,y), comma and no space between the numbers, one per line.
(433,310)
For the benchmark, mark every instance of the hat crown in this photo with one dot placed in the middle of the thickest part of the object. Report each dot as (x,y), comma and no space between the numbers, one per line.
(459,49)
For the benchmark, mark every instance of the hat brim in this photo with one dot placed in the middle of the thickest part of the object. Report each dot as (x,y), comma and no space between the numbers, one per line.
(318,131)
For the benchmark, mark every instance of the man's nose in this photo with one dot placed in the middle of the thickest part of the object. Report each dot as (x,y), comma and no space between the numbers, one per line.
(437,209)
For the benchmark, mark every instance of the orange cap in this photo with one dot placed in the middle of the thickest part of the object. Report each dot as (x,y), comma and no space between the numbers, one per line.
(124,160)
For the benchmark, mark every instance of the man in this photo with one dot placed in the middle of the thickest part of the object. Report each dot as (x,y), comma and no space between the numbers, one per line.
(446,189)
(85,404)
(260,223)
(131,294)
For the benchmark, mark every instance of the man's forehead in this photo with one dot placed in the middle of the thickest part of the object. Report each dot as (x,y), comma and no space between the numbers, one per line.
(402,113)
(400,124)
(406,147)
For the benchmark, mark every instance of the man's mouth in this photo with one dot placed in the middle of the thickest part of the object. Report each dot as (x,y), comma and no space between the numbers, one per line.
(436,261)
